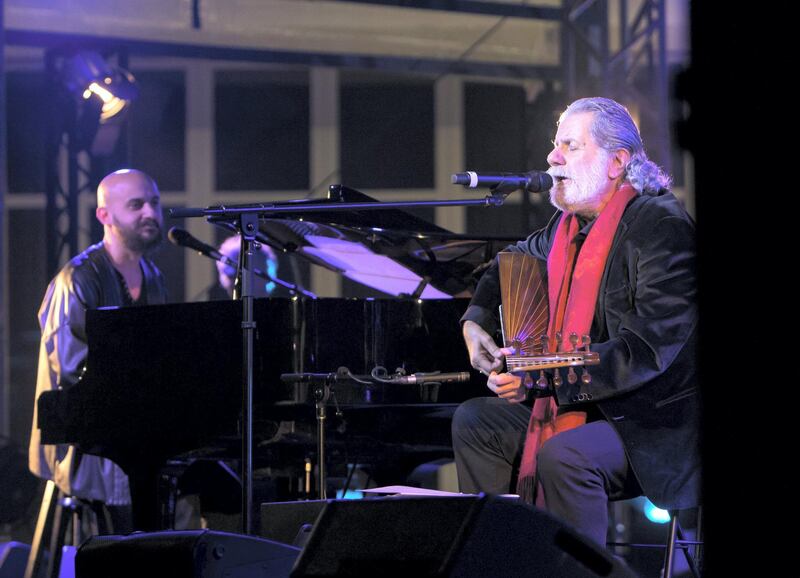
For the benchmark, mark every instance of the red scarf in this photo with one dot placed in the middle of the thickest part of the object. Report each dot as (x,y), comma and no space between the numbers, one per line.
(573,287)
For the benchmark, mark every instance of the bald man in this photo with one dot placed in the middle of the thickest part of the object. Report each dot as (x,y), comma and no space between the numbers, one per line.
(114,272)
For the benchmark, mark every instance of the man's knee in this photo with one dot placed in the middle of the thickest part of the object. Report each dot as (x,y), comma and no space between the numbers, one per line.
(468,416)
(553,460)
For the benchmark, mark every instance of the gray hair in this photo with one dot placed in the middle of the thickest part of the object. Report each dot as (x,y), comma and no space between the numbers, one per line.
(614,129)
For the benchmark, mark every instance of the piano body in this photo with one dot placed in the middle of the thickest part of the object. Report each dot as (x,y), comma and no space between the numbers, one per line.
(164,380)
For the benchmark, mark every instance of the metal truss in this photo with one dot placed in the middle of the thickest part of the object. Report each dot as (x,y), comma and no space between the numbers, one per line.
(62,172)
(71,169)
(516,9)
(401,64)
(634,72)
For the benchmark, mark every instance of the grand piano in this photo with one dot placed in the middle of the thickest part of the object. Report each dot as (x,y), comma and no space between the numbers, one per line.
(165,381)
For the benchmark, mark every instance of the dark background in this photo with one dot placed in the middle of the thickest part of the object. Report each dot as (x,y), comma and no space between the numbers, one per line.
(748,443)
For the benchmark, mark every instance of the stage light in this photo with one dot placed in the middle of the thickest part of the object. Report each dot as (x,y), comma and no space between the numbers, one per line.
(104,94)
(654,513)
(112,105)
(88,74)
(349,495)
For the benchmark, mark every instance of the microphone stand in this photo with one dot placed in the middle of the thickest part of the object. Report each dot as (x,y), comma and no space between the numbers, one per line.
(324,388)
(248,226)
(322,393)
(247,217)
(496,198)
(293,288)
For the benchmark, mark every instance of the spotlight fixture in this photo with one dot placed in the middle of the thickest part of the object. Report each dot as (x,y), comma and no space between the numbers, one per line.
(112,104)
(104,94)
(90,76)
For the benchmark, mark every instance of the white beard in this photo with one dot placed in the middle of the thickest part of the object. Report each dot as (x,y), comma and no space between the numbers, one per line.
(584,187)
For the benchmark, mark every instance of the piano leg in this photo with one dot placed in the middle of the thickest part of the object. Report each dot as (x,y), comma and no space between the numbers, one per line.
(144,485)
(168,479)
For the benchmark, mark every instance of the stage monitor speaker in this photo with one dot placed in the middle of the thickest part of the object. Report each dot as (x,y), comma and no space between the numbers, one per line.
(183,554)
(470,536)
(13,559)
(289,522)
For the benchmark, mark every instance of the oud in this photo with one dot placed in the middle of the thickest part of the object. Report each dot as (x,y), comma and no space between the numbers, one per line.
(524,316)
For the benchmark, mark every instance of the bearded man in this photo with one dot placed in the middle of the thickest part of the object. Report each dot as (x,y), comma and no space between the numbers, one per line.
(114,272)
(620,258)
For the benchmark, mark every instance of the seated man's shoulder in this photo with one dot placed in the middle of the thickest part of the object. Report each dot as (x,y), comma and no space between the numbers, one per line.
(83,268)
(91,254)
(650,209)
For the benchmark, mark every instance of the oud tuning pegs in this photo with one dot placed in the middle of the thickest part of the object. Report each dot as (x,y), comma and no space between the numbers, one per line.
(558,341)
(573,340)
(586,342)
(545,344)
(528,381)
(542,382)
(572,377)
(557,381)
(586,378)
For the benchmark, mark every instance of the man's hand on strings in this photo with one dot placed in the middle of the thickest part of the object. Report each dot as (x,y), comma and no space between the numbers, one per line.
(507,386)
(484,355)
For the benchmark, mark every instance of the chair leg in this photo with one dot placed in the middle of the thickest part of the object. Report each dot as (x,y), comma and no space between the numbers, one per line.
(698,549)
(46,511)
(669,556)
(677,539)
(690,559)
(61,520)
(102,524)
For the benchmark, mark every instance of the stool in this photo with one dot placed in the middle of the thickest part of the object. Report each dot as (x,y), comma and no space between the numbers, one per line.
(676,540)
(56,513)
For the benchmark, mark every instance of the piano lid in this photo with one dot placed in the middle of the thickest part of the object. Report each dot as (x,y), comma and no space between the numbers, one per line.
(389,250)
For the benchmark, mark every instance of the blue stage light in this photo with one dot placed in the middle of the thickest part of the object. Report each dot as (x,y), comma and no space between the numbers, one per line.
(349,495)
(655,514)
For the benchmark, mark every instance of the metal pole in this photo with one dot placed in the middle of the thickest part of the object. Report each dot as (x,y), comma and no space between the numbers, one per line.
(5,395)
(568,49)
(249,228)
(662,87)
(322,492)
(52,177)
(605,64)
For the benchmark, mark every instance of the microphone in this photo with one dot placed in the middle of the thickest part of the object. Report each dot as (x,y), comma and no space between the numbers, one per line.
(311,378)
(183,238)
(343,374)
(434,377)
(533,181)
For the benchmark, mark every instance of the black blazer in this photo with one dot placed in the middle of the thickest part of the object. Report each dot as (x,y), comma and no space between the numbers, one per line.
(644,330)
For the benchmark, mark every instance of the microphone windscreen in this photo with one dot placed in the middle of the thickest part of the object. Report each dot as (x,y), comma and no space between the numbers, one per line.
(540,181)
(177,235)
